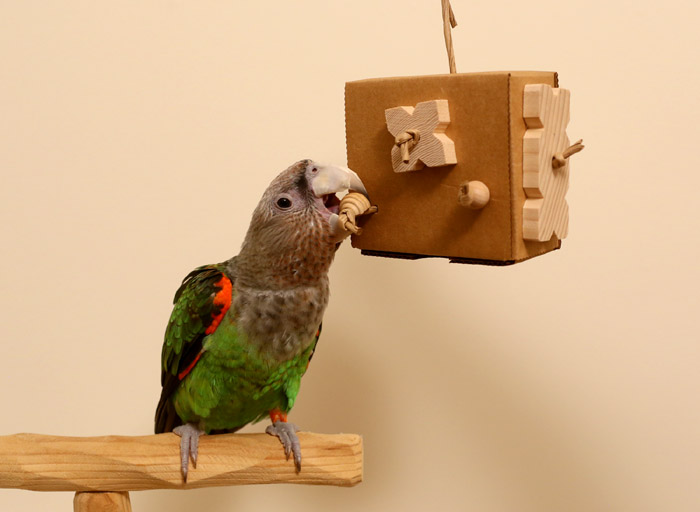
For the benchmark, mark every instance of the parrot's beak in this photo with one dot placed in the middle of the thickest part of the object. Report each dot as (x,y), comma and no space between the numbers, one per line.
(329,180)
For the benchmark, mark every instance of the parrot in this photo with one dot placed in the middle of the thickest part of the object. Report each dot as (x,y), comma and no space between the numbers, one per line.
(242,332)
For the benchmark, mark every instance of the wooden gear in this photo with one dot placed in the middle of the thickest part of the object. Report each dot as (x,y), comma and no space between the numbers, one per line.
(419,136)
(545,162)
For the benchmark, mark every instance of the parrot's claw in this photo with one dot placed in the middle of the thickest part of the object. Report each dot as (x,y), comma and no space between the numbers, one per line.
(189,443)
(287,433)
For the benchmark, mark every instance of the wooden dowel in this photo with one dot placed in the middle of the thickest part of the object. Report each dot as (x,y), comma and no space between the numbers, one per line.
(120,463)
(559,159)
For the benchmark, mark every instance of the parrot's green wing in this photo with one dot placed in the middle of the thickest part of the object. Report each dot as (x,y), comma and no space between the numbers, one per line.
(200,304)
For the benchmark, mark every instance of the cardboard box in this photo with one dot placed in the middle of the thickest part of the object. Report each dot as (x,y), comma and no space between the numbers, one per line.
(419,215)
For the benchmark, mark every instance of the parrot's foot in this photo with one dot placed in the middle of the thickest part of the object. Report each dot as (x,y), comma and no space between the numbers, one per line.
(287,433)
(189,442)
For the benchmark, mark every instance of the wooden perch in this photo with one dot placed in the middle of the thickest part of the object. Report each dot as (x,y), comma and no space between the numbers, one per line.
(120,463)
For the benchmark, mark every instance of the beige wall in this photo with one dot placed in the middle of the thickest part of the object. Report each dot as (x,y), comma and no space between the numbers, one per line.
(136,137)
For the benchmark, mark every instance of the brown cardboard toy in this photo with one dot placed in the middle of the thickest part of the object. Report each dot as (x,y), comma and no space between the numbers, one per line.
(445,211)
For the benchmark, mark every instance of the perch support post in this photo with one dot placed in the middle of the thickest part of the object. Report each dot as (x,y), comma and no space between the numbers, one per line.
(101,502)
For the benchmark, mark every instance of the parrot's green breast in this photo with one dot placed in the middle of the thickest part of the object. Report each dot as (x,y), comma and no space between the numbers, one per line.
(235,383)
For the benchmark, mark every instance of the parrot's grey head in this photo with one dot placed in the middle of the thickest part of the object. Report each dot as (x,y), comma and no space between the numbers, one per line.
(295,225)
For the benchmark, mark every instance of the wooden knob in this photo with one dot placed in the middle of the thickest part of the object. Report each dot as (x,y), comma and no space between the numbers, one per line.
(473,194)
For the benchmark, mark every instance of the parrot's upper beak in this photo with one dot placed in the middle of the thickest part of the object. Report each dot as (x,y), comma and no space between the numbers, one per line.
(331,179)
(326,181)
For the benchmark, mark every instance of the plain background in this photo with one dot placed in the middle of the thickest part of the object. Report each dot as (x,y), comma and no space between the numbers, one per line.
(137,136)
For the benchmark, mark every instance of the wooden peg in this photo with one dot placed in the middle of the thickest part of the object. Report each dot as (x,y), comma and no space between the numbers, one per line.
(405,141)
(559,159)
(473,194)
(428,146)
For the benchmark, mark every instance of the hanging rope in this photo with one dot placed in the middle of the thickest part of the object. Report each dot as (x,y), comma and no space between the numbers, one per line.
(449,22)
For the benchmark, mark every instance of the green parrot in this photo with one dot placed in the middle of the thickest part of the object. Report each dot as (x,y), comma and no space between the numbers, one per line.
(242,332)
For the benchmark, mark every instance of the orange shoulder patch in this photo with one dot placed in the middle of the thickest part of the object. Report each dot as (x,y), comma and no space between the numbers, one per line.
(223,299)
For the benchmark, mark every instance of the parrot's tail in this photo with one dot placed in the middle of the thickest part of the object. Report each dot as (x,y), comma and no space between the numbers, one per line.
(166,416)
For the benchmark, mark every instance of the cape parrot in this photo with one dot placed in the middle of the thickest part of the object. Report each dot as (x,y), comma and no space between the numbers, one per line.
(242,332)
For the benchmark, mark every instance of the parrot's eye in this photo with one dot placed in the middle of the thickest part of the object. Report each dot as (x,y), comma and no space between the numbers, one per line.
(284,203)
